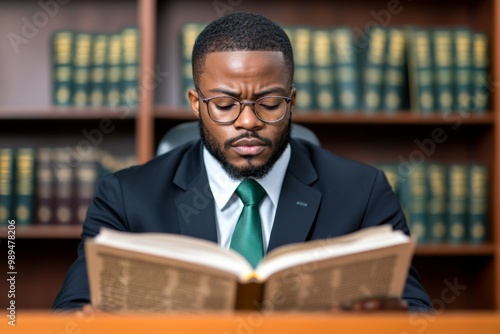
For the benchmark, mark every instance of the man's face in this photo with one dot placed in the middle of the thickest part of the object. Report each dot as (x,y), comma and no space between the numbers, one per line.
(249,147)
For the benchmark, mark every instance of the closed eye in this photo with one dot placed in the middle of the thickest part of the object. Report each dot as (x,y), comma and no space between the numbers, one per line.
(225,106)
(269,106)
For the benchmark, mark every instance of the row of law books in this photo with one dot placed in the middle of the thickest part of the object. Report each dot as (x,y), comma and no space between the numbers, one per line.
(443,203)
(51,185)
(95,69)
(388,70)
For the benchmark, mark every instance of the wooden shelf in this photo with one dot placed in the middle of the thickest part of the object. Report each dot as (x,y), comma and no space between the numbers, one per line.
(359,117)
(64,113)
(403,117)
(454,250)
(176,113)
(74,232)
(45,232)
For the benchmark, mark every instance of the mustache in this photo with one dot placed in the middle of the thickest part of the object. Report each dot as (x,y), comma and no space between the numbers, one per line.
(228,143)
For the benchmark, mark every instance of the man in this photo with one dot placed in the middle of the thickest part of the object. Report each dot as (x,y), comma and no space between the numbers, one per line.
(244,99)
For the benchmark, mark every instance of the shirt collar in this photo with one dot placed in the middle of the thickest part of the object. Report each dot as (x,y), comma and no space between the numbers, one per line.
(223,187)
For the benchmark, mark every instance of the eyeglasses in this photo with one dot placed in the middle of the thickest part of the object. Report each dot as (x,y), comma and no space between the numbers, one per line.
(227,109)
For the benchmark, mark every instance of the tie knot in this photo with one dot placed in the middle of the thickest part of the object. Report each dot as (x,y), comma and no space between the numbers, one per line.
(250,192)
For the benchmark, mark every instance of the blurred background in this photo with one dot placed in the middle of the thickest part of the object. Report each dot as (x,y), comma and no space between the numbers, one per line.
(88,87)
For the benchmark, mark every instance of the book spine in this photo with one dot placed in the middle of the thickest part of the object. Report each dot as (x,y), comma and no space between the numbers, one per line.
(86,177)
(114,71)
(44,187)
(82,69)
(478,204)
(346,70)
(414,198)
(374,70)
(480,81)
(64,202)
(62,67)
(189,33)
(323,78)
(395,72)
(421,75)
(130,73)
(437,202)
(7,166)
(443,64)
(457,203)
(303,80)
(463,69)
(25,182)
(98,72)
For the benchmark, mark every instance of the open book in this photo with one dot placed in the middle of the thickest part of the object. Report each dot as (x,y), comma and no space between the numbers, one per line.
(154,272)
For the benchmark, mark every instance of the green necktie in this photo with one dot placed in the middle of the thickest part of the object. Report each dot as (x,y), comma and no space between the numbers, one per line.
(247,235)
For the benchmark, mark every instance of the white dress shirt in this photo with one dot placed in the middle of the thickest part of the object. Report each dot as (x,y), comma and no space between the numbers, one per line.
(228,205)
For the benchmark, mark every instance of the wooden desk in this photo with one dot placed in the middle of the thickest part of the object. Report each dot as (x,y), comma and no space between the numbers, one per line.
(255,323)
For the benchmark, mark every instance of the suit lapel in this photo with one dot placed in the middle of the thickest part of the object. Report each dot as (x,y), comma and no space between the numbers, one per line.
(195,206)
(299,202)
(297,207)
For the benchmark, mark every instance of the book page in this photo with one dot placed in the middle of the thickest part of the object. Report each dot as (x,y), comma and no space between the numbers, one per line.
(123,280)
(340,281)
(364,233)
(180,247)
(371,238)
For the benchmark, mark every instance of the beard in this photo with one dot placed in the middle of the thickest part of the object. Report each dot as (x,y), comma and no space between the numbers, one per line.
(250,170)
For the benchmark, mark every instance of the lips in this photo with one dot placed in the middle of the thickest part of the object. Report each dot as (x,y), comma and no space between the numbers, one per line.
(248,146)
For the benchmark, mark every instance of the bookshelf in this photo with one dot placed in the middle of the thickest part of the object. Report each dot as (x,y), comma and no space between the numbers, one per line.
(27,118)
(60,113)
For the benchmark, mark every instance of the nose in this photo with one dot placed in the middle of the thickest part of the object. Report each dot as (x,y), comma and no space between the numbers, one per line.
(247,119)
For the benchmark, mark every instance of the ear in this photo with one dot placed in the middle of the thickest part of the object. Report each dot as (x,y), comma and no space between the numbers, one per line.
(194,100)
(293,96)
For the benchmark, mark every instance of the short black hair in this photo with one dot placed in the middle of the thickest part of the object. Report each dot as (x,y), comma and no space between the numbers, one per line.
(241,32)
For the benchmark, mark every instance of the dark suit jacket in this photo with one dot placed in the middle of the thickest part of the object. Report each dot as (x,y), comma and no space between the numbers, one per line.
(171,194)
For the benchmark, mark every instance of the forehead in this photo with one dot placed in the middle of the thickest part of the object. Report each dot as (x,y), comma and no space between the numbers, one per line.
(245,65)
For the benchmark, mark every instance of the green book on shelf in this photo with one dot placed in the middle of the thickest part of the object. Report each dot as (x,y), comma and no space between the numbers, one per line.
(62,67)
(24,185)
(323,71)
(420,70)
(373,70)
(98,70)
(457,203)
(63,192)
(130,75)
(477,222)
(82,69)
(303,78)
(7,165)
(437,202)
(414,201)
(346,70)
(443,55)
(395,72)
(44,187)
(463,68)
(189,33)
(481,90)
(114,65)
(86,174)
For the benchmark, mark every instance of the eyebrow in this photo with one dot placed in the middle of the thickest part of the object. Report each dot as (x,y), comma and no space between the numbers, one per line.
(272,90)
